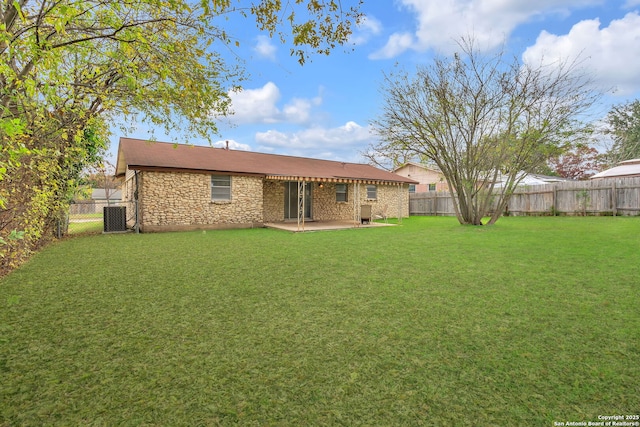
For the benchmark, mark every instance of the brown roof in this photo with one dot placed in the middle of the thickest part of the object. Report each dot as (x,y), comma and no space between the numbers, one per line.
(139,154)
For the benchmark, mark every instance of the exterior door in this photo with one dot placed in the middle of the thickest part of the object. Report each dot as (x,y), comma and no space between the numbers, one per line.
(291,200)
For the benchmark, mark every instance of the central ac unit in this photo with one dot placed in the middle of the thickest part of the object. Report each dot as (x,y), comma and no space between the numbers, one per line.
(115,218)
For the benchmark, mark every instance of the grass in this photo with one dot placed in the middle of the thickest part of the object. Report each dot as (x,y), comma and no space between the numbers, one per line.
(95,215)
(529,322)
(86,227)
(88,223)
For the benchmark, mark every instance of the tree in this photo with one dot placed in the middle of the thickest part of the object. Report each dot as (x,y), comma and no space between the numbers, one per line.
(102,177)
(480,118)
(578,163)
(38,188)
(390,159)
(68,68)
(624,127)
(109,56)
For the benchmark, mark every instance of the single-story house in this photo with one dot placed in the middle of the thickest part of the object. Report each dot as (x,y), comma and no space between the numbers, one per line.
(626,169)
(429,178)
(531,179)
(105,194)
(184,187)
(100,197)
(432,179)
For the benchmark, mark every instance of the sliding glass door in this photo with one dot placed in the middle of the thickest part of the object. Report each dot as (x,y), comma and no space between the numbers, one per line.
(291,200)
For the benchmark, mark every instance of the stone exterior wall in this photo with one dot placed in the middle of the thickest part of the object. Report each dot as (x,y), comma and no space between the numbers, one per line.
(182,201)
(273,201)
(171,201)
(389,198)
(326,208)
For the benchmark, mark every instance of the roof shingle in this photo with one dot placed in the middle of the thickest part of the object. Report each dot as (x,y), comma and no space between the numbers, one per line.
(139,154)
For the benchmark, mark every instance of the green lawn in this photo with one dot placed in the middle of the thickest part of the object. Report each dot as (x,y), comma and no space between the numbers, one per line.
(88,223)
(86,227)
(526,323)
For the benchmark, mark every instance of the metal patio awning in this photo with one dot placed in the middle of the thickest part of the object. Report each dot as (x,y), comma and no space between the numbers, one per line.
(329,179)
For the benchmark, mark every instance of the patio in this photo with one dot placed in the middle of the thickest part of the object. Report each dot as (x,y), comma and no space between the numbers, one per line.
(322,225)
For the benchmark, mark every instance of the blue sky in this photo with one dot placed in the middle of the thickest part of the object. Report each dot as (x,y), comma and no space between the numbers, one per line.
(323,109)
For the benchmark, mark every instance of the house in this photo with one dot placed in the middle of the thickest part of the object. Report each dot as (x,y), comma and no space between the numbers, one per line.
(183,187)
(100,197)
(104,195)
(531,179)
(626,169)
(429,178)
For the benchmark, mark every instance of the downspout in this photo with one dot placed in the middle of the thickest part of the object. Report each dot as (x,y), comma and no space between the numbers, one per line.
(136,225)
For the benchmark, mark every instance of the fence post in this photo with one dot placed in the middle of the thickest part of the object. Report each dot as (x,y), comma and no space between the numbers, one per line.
(614,199)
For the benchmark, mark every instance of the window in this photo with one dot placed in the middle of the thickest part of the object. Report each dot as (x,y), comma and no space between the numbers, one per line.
(372,192)
(220,187)
(432,187)
(412,188)
(341,192)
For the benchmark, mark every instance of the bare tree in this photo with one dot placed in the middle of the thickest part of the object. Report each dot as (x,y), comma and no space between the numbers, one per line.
(482,120)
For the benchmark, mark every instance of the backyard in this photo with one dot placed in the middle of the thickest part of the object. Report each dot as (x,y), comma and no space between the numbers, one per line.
(534,321)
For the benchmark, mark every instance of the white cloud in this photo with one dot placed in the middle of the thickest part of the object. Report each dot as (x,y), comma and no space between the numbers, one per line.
(317,141)
(233,145)
(441,23)
(368,27)
(298,110)
(397,43)
(609,52)
(264,48)
(631,4)
(370,24)
(255,105)
(261,106)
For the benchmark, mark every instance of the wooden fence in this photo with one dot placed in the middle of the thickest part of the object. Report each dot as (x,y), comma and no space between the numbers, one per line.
(620,196)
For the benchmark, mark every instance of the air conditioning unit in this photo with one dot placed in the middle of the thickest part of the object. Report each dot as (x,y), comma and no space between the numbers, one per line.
(115,218)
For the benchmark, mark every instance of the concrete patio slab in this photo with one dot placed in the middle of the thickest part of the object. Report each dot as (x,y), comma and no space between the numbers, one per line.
(322,225)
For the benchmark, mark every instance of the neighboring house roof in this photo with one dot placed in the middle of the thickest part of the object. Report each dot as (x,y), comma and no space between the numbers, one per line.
(101,194)
(533,179)
(527,179)
(429,168)
(545,179)
(626,169)
(139,154)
